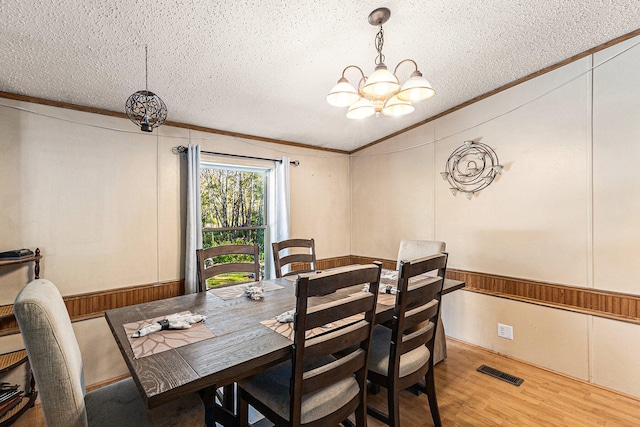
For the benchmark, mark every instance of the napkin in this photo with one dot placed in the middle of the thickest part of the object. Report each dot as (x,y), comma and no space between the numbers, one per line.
(384,289)
(254,292)
(175,321)
(287,317)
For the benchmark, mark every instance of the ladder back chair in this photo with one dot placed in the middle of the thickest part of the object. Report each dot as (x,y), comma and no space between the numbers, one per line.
(300,251)
(401,356)
(207,268)
(318,388)
(414,249)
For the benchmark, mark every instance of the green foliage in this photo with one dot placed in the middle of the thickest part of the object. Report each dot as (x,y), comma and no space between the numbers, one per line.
(225,279)
(231,198)
(232,201)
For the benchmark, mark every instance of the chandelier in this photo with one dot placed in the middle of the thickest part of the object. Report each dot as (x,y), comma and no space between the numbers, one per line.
(382,92)
(145,108)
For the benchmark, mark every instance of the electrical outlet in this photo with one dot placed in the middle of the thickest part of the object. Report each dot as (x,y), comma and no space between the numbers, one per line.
(505,331)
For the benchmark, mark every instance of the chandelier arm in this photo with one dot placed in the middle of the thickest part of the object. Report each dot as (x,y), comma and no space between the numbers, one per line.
(356,67)
(402,62)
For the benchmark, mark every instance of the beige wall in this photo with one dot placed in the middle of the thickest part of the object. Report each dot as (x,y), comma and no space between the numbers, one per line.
(564,211)
(104,203)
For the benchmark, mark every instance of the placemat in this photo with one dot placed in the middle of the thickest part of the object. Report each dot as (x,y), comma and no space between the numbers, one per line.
(164,340)
(231,292)
(286,329)
(386,299)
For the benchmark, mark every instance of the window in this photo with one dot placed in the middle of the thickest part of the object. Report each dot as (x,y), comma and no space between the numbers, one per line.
(234,211)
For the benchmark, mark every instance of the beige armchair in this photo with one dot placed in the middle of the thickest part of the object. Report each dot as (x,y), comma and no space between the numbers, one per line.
(57,367)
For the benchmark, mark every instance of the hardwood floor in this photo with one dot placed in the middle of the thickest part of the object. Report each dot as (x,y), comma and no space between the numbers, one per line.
(469,398)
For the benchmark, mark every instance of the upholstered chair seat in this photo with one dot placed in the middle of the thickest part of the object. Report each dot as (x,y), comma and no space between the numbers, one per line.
(379,355)
(56,362)
(272,388)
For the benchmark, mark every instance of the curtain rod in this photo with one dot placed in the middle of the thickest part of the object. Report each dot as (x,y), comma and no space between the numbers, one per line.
(182,149)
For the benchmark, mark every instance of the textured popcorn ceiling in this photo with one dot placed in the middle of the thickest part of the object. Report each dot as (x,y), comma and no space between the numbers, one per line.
(264,67)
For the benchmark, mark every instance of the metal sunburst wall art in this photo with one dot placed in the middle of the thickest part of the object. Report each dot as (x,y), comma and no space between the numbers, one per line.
(471,168)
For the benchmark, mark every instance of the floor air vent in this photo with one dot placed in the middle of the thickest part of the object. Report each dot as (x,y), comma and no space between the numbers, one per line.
(500,375)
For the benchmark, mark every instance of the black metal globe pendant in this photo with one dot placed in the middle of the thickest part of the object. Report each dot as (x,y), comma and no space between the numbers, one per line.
(145,108)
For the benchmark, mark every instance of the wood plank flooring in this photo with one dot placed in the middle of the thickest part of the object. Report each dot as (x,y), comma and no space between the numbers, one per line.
(469,398)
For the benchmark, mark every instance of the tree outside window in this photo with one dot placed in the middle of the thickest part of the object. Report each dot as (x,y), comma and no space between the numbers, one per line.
(233,212)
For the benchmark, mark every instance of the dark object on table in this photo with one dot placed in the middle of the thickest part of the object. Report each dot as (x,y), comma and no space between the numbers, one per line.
(16,254)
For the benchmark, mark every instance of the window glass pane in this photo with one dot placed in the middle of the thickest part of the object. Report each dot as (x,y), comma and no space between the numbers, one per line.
(233,212)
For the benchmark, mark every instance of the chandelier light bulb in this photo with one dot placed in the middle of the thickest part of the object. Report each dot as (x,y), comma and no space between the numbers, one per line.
(382,83)
(416,89)
(396,107)
(361,109)
(343,94)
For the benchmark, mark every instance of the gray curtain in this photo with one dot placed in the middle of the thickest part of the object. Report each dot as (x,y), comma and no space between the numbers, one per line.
(194,220)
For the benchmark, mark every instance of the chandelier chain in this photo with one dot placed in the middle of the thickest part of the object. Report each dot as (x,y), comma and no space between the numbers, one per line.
(379,44)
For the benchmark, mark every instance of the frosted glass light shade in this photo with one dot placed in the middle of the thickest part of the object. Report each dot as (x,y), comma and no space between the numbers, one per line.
(382,83)
(395,107)
(361,109)
(342,94)
(416,89)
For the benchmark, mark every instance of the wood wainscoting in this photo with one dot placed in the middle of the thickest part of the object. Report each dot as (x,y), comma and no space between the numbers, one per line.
(597,302)
(93,304)
(611,305)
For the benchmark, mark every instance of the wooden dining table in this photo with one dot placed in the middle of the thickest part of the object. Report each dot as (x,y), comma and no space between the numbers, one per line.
(242,346)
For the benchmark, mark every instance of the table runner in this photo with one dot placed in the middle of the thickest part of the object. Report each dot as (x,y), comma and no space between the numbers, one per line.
(167,339)
(231,292)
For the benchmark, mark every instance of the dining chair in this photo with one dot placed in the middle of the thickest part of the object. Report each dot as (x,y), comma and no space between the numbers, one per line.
(299,251)
(209,268)
(56,362)
(414,249)
(402,354)
(319,387)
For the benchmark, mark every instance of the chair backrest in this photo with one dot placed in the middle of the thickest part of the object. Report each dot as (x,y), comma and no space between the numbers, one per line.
(356,310)
(208,268)
(414,249)
(53,353)
(417,308)
(299,251)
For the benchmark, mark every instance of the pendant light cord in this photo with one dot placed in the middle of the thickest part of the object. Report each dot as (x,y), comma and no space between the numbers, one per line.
(146,69)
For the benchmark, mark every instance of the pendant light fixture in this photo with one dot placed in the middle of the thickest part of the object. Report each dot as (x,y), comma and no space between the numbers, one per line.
(145,108)
(381,92)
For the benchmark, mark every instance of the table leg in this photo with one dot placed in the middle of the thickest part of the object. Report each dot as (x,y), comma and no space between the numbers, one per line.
(440,345)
